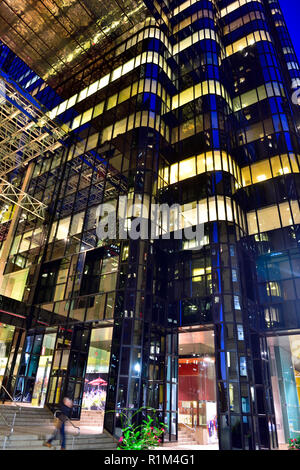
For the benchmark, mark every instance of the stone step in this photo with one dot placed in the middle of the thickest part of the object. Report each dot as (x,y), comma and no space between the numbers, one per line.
(35,425)
(37,443)
(27,415)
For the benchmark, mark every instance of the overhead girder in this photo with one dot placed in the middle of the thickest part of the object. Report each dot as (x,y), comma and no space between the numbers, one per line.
(14,195)
(25,131)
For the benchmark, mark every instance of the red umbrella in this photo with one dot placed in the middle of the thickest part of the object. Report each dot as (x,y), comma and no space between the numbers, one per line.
(98,381)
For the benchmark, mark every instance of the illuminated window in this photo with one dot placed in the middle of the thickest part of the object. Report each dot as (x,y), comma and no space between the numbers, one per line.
(261,171)
(187,169)
(268,219)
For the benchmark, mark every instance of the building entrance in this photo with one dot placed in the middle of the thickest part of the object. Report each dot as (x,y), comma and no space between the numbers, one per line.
(6,337)
(285,376)
(96,376)
(43,371)
(197,408)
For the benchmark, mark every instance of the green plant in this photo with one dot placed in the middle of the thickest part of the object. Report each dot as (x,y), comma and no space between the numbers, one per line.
(146,435)
(294,443)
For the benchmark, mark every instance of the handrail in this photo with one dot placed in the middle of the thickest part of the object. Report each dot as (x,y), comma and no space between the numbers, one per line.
(192,429)
(294,430)
(4,419)
(76,427)
(19,408)
(13,401)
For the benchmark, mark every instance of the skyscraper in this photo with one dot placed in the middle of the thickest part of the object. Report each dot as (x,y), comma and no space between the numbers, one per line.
(156,103)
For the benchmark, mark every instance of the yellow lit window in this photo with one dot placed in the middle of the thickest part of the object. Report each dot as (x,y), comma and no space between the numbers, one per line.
(295,211)
(202,211)
(273,289)
(201,163)
(83,94)
(252,223)
(187,168)
(286,168)
(261,171)
(294,162)
(98,109)
(174,173)
(268,219)
(87,116)
(76,122)
(218,165)
(116,73)
(225,161)
(212,208)
(276,166)
(209,161)
(246,178)
(112,101)
(285,214)
(221,208)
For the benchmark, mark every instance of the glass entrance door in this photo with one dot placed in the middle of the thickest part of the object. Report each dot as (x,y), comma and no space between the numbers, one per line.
(96,377)
(197,407)
(285,376)
(6,337)
(43,372)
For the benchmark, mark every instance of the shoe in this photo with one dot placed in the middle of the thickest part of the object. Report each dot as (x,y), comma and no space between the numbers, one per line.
(47,444)
(62,448)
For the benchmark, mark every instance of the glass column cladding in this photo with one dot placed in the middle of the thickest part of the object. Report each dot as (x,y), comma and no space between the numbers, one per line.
(74,384)
(43,372)
(197,403)
(28,367)
(13,363)
(96,376)
(285,376)
(59,367)
(6,337)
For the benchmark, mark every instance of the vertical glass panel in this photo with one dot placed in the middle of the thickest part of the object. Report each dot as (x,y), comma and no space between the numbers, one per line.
(234,400)
(268,219)
(261,171)
(196,385)
(252,223)
(6,336)
(285,214)
(284,352)
(212,209)
(174,173)
(295,211)
(286,168)
(43,372)
(201,163)
(96,376)
(187,168)
(276,166)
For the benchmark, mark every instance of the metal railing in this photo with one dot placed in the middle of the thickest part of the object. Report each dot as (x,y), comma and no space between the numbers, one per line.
(189,427)
(75,427)
(12,425)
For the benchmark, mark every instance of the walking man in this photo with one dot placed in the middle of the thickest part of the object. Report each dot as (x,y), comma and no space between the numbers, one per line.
(65,413)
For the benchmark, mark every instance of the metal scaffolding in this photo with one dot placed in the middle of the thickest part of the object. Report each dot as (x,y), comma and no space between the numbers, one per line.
(14,195)
(25,130)
(26,133)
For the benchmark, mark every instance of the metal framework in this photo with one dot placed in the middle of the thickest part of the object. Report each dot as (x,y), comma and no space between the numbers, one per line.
(25,133)
(25,130)
(14,195)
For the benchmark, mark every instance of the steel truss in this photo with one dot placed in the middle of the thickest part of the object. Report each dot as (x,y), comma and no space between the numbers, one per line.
(25,130)
(26,133)
(14,195)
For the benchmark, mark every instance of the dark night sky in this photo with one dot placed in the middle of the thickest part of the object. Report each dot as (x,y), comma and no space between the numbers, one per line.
(291,11)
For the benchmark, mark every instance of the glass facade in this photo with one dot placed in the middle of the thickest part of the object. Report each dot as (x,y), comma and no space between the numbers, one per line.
(188,103)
